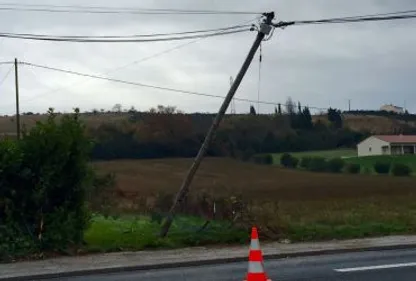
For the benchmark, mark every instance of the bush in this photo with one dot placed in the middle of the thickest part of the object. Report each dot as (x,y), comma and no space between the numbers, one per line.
(288,161)
(335,165)
(265,159)
(382,167)
(45,179)
(401,170)
(353,168)
(305,162)
(317,164)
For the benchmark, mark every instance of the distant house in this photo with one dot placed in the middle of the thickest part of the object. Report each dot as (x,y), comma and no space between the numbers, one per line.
(392,108)
(387,145)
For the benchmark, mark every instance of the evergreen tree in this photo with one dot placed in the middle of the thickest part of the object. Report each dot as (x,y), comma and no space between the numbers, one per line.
(252,110)
(307,118)
(334,116)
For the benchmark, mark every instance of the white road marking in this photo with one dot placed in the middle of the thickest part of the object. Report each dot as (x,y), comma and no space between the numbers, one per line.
(376,267)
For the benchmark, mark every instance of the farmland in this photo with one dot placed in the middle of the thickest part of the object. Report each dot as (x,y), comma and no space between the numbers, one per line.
(350,156)
(367,163)
(306,206)
(338,153)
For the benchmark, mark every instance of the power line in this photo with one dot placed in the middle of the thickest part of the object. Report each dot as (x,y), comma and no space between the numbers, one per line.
(5,76)
(358,19)
(129,40)
(151,86)
(141,60)
(228,28)
(124,66)
(114,10)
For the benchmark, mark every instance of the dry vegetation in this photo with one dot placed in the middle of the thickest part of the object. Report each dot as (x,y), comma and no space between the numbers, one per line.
(373,124)
(147,177)
(310,206)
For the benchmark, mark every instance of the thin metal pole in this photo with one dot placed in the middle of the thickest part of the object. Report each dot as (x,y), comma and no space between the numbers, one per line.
(16,75)
(183,191)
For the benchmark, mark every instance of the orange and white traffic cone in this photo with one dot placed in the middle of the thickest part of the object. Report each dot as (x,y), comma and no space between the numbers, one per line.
(255,260)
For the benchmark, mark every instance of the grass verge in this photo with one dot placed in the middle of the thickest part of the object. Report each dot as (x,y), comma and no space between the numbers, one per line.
(139,233)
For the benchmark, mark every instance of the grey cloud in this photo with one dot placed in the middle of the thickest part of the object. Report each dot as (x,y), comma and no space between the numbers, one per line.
(322,65)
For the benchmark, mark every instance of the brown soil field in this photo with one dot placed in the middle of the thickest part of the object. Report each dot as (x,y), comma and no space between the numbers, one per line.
(309,206)
(147,177)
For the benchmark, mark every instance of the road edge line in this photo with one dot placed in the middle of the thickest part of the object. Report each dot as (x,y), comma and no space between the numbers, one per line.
(124,269)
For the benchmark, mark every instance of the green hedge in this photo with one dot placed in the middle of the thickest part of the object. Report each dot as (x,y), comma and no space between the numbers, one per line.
(335,165)
(288,161)
(401,170)
(45,179)
(353,168)
(382,168)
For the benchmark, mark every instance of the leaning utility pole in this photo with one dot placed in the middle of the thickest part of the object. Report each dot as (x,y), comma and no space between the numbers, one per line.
(16,77)
(232,101)
(265,28)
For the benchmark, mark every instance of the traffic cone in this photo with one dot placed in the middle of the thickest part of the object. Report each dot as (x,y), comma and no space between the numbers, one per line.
(255,260)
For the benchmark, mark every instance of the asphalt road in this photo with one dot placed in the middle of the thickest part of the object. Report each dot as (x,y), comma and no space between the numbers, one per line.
(397,265)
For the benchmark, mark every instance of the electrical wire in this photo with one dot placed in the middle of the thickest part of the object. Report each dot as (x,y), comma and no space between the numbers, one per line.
(121,67)
(259,78)
(5,76)
(114,10)
(137,61)
(148,85)
(130,36)
(356,19)
(130,40)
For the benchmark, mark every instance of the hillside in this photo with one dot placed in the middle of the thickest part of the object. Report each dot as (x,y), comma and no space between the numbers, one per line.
(361,123)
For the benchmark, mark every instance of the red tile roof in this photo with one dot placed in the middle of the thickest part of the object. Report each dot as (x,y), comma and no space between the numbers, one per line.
(397,138)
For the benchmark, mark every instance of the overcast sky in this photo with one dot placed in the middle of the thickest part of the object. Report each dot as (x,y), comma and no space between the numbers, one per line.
(318,65)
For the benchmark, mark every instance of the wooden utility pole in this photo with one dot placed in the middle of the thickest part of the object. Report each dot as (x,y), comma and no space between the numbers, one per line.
(16,75)
(265,29)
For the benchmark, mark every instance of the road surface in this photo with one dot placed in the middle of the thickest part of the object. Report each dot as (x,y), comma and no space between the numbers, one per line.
(396,265)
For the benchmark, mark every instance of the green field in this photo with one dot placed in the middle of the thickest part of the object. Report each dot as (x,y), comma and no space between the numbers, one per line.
(350,156)
(367,163)
(338,153)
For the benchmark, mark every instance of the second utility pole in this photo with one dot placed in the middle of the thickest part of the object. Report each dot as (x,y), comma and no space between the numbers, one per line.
(265,29)
(16,75)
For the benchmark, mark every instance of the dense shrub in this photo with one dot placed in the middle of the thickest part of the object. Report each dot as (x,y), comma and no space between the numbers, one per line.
(288,161)
(45,179)
(265,159)
(305,162)
(335,165)
(382,167)
(401,170)
(353,168)
(317,164)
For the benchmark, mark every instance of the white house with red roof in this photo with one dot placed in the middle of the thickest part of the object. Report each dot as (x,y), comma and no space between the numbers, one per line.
(387,145)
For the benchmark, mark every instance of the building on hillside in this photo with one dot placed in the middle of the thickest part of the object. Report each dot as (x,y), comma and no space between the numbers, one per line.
(392,108)
(387,145)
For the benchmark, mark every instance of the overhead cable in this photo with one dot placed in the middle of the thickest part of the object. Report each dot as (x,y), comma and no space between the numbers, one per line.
(118,40)
(228,28)
(149,86)
(108,10)
(5,76)
(354,19)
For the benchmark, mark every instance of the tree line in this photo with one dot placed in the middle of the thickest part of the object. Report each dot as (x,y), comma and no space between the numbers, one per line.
(167,132)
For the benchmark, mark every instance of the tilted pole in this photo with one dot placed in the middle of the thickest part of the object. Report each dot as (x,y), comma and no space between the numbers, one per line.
(265,29)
